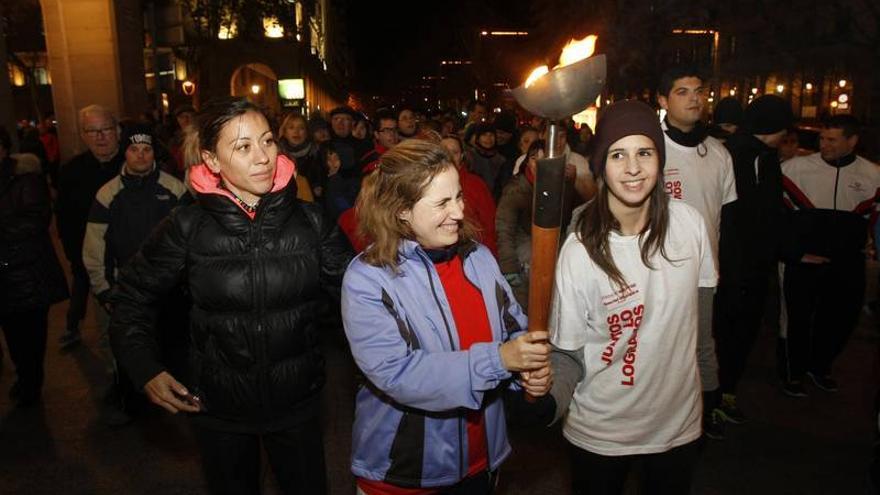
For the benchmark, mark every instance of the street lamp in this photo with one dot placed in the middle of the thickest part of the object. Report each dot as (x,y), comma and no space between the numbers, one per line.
(255,89)
(809,86)
(842,83)
(780,88)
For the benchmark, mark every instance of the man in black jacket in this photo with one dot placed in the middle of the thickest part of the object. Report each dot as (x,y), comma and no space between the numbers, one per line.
(124,212)
(749,243)
(79,181)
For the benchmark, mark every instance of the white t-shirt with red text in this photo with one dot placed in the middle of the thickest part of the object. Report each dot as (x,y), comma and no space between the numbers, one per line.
(641,392)
(702,177)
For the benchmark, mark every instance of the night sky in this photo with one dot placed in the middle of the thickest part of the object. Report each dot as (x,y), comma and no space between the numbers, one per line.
(394,44)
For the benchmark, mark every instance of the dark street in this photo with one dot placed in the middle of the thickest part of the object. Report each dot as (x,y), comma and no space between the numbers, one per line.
(817,445)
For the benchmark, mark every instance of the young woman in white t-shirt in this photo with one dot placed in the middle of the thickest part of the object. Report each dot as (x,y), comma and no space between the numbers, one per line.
(625,318)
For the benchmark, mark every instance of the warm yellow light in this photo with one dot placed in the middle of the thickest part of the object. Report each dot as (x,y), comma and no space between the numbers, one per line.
(16,75)
(842,83)
(754,91)
(833,104)
(180,69)
(733,92)
(272,28)
(780,88)
(255,89)
(188,87)
(228,31)
(574,51)
(577,50)
(588,117)
(536,74)
(809,86)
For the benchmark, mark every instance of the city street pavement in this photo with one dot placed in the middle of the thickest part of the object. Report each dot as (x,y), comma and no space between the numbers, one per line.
(817,445)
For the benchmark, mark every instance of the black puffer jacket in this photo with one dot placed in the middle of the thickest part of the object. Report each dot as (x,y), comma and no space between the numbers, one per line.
(30,274)
(255,285)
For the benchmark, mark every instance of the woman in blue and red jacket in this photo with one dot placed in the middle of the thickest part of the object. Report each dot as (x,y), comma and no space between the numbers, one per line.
(436,331)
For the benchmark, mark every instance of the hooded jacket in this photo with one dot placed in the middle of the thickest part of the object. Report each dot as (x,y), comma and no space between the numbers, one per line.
(255,282)
(409,425)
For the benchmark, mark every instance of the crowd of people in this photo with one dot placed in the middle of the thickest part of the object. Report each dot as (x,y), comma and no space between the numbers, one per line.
(214,252)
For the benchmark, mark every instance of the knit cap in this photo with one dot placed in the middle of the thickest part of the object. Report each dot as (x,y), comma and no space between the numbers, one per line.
(768,114)
(621,119)
(136,134)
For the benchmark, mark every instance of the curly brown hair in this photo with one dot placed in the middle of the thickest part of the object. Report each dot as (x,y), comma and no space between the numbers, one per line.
(394,187)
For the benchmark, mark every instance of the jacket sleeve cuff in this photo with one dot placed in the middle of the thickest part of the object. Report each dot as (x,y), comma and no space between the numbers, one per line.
(103,297)
(142,369)
(487,370)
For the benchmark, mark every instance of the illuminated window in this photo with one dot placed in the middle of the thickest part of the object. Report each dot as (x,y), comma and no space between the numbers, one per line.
(291,89)
(227,32)
(16,75)
(272,28)
(228,26)
(41,75)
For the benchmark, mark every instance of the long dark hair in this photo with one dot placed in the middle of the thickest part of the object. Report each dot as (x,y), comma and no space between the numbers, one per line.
(597,222)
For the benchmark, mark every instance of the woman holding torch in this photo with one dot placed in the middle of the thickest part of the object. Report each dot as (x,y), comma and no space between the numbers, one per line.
(625,317)
(436,331)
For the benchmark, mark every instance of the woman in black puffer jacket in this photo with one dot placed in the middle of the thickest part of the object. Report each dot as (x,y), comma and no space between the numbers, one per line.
(255,260)
(31,279)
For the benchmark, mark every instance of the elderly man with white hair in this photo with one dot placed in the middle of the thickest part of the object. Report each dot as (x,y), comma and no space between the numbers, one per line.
(79,180)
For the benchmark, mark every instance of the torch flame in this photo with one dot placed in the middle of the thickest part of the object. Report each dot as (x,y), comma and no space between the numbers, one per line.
(577,50)
(574,51)
(536,74)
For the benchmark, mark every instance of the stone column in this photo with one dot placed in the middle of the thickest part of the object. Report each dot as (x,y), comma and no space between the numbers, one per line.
(95,50)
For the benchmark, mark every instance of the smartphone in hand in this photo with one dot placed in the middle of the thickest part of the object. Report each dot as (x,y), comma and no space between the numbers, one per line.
(192,400)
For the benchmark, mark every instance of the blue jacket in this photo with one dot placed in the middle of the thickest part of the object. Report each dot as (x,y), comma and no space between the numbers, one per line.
(409,427)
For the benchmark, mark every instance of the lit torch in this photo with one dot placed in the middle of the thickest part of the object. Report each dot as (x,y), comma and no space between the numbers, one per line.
(555,94)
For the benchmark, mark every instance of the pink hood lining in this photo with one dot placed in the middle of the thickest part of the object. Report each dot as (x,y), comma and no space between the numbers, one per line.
(204,181)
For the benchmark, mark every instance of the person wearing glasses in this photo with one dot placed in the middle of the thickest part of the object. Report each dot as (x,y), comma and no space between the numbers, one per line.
(385,137)
(78,182)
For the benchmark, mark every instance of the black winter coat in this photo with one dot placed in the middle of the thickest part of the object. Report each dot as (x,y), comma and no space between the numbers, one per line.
(255,285)
(78,182)
(30,274)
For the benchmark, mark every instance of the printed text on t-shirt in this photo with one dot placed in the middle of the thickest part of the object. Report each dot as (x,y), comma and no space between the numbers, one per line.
(630,318)
(674,189)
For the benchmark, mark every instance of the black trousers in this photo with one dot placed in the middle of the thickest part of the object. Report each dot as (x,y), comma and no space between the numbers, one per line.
(739,310)
(25,334)
(823,303)
(231,461)
(666,473)
(79,294)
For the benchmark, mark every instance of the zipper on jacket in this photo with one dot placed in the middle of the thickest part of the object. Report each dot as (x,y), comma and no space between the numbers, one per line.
(836,180)
(461,470)
(259,302)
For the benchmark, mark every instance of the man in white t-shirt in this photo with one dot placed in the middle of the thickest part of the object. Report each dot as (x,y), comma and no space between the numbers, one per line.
(699,171)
